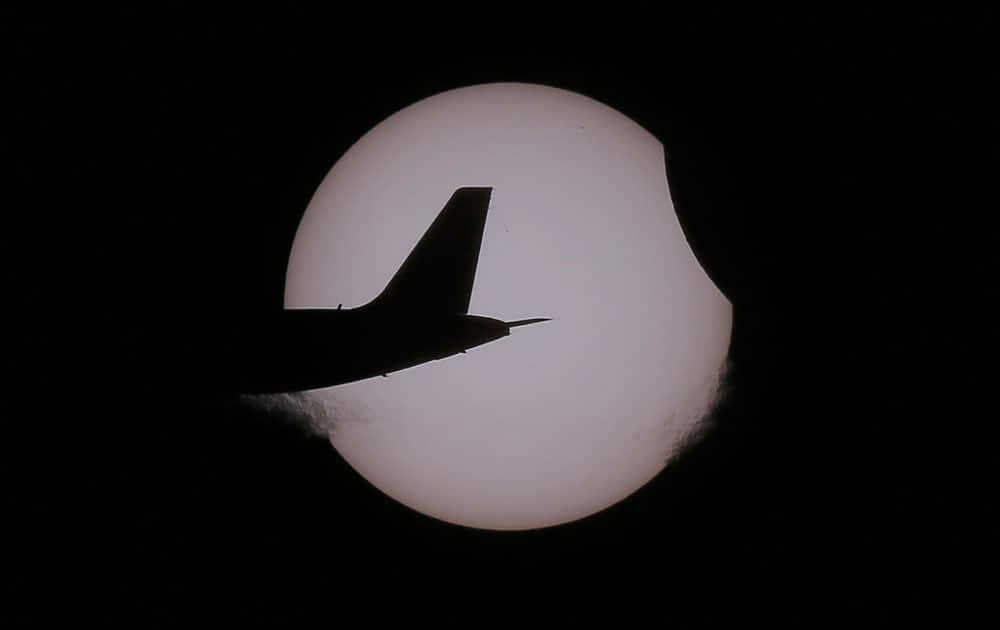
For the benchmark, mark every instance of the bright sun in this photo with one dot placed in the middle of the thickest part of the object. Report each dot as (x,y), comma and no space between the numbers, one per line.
(557,421)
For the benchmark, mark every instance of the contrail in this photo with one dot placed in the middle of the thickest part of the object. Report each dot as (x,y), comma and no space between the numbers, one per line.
(301,409)
(711,395)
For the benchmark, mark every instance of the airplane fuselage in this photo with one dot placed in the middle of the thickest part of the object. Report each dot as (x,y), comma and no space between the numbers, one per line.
(305,348)
(421,315)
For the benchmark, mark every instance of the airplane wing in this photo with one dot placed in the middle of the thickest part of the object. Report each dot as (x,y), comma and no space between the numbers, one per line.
(438,275)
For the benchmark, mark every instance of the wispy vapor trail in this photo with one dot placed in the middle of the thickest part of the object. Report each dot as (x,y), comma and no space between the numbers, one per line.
(711,396)
(299,408)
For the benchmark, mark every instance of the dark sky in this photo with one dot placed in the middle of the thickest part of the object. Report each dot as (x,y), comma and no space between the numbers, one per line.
(830,170)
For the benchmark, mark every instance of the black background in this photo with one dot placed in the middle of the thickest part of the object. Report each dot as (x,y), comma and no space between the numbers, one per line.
(831,171)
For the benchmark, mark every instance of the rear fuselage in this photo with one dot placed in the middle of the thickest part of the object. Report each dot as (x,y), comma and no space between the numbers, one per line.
(313,348)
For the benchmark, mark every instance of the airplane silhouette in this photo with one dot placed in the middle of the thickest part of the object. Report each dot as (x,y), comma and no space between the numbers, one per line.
(420,316)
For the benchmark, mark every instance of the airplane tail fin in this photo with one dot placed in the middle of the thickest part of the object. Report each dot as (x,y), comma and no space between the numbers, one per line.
(438,274)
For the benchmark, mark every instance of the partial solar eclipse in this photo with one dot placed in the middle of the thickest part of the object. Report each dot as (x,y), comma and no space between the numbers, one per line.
(559,420)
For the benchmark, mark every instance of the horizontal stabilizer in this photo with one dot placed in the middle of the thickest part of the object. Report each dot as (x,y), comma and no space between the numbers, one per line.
(525,322)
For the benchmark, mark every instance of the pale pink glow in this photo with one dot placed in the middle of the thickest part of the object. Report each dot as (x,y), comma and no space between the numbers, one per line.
(561,419)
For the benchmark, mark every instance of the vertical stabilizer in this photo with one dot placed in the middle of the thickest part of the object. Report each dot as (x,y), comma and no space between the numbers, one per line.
(438,275)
